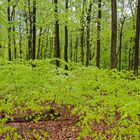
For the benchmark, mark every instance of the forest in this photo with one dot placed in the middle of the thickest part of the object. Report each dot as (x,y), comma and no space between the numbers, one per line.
(69,70)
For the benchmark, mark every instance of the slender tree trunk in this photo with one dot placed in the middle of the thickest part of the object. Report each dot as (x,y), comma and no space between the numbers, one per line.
(88,34)
(39,42)
(14,39)
(70,46)
(46,47)
(51,46)
(42,47)
(66,38)
(131,54)
(27,30)
(88,46)
(57,39)
(20,37)
(114,34)
(120,51)
(129,59)
(82,33)
(132,38)
(76,49)
(66,47)
(34,30)
(30,30)
(137,39)
(98,34)
(120,46)
(9,32)
(20,43)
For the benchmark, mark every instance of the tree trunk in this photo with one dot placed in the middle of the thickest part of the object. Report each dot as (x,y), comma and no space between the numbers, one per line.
(39,44)
(70,46)
(76,49)
(51,46)
(88,34)
(98,34)
(30,30)
(137,38)
(120,46)
(20,43)
(46,47)
(20,37)
(114,34)
(132,38)
(82,33)
(57,40)
(14,39)
(34,30)
(9,32)
(66,39)
(42,44)
(27,30)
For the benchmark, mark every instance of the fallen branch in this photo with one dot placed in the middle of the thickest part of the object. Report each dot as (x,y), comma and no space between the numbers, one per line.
(47,115)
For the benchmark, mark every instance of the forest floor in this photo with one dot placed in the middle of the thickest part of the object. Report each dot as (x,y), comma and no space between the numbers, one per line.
(63,128)
(43,103)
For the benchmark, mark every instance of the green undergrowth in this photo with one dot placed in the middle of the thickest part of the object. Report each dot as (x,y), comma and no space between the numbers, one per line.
(106,101)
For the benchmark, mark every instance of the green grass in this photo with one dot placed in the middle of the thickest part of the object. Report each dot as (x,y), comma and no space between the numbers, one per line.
(103,98)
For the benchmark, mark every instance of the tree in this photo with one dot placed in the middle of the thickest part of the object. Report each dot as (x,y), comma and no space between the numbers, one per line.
(34,29)
(137,38)
(98,34)
(120,46)
(20,37)
(13,29)
(30,36)
(122,16)
(9,31)
(82,32)
(88,33)
(66,38)
(39,44)
(114,34)
(132,8)
(57,42)
(83,24)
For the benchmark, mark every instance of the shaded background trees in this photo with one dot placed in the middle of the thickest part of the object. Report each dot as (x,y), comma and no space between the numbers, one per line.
(79,30)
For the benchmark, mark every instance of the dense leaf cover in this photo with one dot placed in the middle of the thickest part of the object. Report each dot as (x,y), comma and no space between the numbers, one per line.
(107,102)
